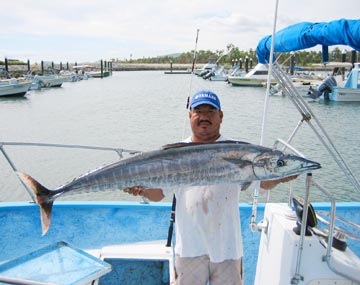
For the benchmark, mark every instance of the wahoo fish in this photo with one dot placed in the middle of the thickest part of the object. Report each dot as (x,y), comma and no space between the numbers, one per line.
(181,164)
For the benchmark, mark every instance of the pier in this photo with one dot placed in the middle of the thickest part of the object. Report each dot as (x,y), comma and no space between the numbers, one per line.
(17,68)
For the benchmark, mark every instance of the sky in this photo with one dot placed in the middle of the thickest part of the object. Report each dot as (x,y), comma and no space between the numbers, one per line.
(90,30)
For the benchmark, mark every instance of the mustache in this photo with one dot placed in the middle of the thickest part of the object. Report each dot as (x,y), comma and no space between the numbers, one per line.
(204,121)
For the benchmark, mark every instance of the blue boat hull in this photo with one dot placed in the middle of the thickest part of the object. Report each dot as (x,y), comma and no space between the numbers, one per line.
(94,225)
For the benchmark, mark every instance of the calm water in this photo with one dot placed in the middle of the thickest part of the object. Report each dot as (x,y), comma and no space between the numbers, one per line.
(145,110)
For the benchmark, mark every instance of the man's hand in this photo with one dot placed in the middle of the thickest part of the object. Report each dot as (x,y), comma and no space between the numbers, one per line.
(136,190)
(153,194)
(270,184)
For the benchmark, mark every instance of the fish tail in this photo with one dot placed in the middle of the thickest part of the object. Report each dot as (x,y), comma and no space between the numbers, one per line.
(43,198)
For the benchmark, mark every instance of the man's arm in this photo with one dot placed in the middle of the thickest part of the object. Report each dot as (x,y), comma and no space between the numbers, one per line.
(270,184)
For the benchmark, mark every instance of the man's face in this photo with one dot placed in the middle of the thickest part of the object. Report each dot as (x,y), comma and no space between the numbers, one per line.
(205,123)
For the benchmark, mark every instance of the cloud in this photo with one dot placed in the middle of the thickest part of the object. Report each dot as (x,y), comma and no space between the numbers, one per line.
(84,31)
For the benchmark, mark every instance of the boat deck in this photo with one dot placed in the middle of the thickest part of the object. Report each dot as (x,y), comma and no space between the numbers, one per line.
(105,228)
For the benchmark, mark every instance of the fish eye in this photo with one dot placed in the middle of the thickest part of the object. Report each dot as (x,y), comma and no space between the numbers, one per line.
(281,163)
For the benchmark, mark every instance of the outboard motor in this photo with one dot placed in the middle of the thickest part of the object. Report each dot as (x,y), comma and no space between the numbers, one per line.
(204,72)
(208,75)
(325,87)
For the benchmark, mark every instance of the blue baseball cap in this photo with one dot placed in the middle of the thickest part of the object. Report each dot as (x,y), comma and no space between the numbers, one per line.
(205,97)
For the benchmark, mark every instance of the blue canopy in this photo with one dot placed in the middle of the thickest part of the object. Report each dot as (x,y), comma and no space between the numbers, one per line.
(305,35)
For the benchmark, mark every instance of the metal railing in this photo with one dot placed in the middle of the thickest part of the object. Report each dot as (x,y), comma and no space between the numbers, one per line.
(119,151)
(308,116)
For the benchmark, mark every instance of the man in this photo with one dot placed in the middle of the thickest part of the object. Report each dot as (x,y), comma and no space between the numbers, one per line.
(208,234)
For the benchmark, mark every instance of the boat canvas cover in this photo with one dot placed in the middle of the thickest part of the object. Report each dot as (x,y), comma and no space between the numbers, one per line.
(306,35)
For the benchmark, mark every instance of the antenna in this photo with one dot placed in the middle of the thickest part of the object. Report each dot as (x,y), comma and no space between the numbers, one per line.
(253,225)
(191,77)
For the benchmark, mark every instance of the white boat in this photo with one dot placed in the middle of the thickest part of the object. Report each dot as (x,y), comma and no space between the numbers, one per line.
(314,258)
(304,84)
(14,87)
(50,80)
(256,77)
(73,76)
(113,242)
(237,72)
(205,69)
(220,73)
(338,86)
(88,239)
(132,238)
(350,91)
(212,65)
(303,87)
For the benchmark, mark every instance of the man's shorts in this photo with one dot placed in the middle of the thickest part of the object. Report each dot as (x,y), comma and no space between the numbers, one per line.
(200,270)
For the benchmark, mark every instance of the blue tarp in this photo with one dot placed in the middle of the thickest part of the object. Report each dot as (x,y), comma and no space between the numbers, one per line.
(306,35)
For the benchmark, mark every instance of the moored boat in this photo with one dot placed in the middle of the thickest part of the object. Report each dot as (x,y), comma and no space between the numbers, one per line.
(255,77)
(217,74)
(305,35)
(205,69)
(98,73)
(213,64)
(319,258)
(50,80)
(303,83)
(14,87)
(349,91)
(129,236)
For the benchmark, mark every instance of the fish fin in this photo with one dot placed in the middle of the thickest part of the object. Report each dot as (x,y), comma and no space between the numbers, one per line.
(182,144)
(233,141)
(43,198)
(176,145)
(245,186)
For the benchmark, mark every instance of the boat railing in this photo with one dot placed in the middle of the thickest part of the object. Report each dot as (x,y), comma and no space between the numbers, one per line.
(310,181)
(118,151)
(307,116)
(329,258)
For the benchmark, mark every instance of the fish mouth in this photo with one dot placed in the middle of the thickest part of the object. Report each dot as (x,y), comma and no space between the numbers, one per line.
(314,165)
(307,166)
(311,165)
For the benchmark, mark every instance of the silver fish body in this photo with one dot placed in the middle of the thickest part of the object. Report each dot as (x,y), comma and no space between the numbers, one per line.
(194,164)
(184,164)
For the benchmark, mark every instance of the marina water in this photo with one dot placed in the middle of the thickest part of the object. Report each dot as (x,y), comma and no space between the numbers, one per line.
(143,110)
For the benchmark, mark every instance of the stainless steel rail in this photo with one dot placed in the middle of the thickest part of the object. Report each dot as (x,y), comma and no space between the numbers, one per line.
(307,116)
(119,151)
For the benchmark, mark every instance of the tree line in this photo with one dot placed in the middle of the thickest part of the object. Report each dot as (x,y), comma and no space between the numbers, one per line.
(233,54)
(228,57)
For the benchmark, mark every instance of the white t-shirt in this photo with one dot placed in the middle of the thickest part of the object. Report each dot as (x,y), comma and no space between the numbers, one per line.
(207,221)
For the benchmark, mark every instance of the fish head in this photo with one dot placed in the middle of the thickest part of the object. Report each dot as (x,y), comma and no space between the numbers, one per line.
(276,164)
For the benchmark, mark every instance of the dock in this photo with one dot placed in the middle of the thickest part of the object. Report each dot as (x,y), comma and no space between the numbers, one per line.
(177,72)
